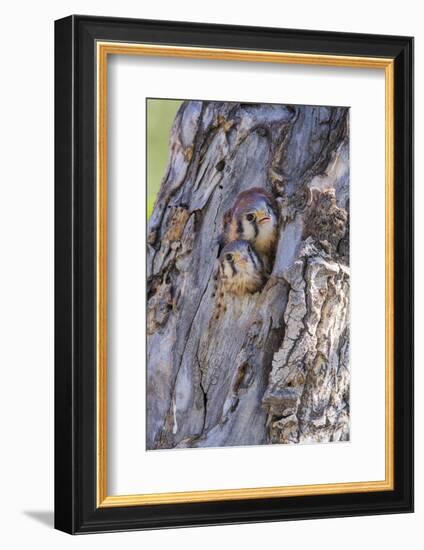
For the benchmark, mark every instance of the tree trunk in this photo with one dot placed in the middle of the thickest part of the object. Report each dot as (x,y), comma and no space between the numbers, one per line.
(274,368)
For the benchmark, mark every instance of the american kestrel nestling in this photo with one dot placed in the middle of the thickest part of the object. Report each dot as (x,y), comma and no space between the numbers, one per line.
(254,218)
(241,270)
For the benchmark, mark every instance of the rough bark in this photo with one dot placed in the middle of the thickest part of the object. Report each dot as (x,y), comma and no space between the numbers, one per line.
(274,368)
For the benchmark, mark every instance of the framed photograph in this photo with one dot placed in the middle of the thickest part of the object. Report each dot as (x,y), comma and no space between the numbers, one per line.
(234,274)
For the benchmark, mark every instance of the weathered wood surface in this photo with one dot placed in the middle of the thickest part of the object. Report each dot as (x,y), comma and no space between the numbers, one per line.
(274,368)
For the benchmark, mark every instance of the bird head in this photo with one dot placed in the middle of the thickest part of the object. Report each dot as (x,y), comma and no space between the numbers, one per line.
(238,258)
(255,218)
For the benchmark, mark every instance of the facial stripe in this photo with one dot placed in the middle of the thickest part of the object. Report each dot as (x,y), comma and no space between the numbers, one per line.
(255,227)
(252,257)
(240,228)
(233,267)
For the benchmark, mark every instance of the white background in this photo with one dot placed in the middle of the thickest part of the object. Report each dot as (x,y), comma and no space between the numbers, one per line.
(26,278)
(131,468)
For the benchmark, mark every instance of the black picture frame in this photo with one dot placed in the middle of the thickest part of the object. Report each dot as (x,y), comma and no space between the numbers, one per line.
(76,510)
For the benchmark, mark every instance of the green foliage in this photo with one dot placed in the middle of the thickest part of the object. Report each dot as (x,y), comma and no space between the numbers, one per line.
(160,116)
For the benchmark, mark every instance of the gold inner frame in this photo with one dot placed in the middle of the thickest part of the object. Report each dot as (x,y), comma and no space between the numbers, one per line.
(104,49)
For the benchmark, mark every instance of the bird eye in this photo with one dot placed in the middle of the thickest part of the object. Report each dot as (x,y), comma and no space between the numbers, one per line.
(250,217)
(228,257)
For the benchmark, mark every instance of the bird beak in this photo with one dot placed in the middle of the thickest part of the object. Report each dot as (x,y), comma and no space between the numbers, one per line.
(240,259)
(263,217)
